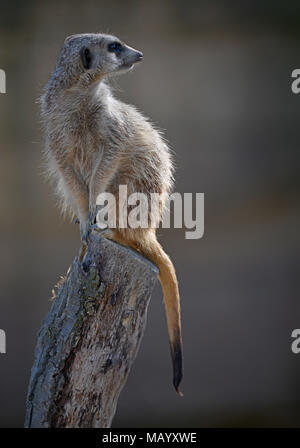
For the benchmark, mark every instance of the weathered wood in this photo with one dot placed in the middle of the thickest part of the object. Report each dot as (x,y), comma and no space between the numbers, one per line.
(89,339)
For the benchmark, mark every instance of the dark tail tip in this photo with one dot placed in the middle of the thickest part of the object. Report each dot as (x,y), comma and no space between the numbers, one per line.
(177,360)
(179,393)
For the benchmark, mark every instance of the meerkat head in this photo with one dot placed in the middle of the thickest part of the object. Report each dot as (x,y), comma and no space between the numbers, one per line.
(90,57)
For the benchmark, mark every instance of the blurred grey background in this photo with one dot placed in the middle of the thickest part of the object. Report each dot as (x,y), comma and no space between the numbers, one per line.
(216,76)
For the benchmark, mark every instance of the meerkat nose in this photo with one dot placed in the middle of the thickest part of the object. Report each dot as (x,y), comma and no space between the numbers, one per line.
(139,56)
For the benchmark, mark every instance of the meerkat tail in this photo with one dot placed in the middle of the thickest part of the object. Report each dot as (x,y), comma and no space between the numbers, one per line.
(167,276)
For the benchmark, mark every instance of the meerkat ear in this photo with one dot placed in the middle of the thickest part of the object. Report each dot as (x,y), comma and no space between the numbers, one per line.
(86,58)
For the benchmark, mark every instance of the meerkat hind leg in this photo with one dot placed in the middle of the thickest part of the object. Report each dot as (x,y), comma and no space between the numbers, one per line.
(117,237)
(113,235)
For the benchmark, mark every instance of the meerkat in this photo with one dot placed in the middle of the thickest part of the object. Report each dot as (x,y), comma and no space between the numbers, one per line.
(94,143)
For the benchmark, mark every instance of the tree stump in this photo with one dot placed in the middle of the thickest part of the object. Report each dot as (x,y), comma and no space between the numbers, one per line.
(90,338)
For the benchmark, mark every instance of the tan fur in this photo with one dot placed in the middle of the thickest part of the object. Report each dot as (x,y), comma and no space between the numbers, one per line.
(94,143)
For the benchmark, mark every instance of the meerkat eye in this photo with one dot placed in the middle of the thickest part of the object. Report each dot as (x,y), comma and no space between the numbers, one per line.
(86,57)
(115,47)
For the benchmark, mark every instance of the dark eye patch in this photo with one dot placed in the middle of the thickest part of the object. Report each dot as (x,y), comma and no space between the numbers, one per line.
(86,57)
(115,47)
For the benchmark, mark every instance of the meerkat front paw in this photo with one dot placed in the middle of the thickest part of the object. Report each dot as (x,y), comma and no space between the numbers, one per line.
(87,226)
(106,233)
(92,216)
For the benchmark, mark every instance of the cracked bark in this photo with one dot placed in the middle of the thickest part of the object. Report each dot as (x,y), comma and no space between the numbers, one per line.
(90,338)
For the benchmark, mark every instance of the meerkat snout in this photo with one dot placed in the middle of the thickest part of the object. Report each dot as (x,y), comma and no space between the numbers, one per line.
(128,56)
(139,56)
